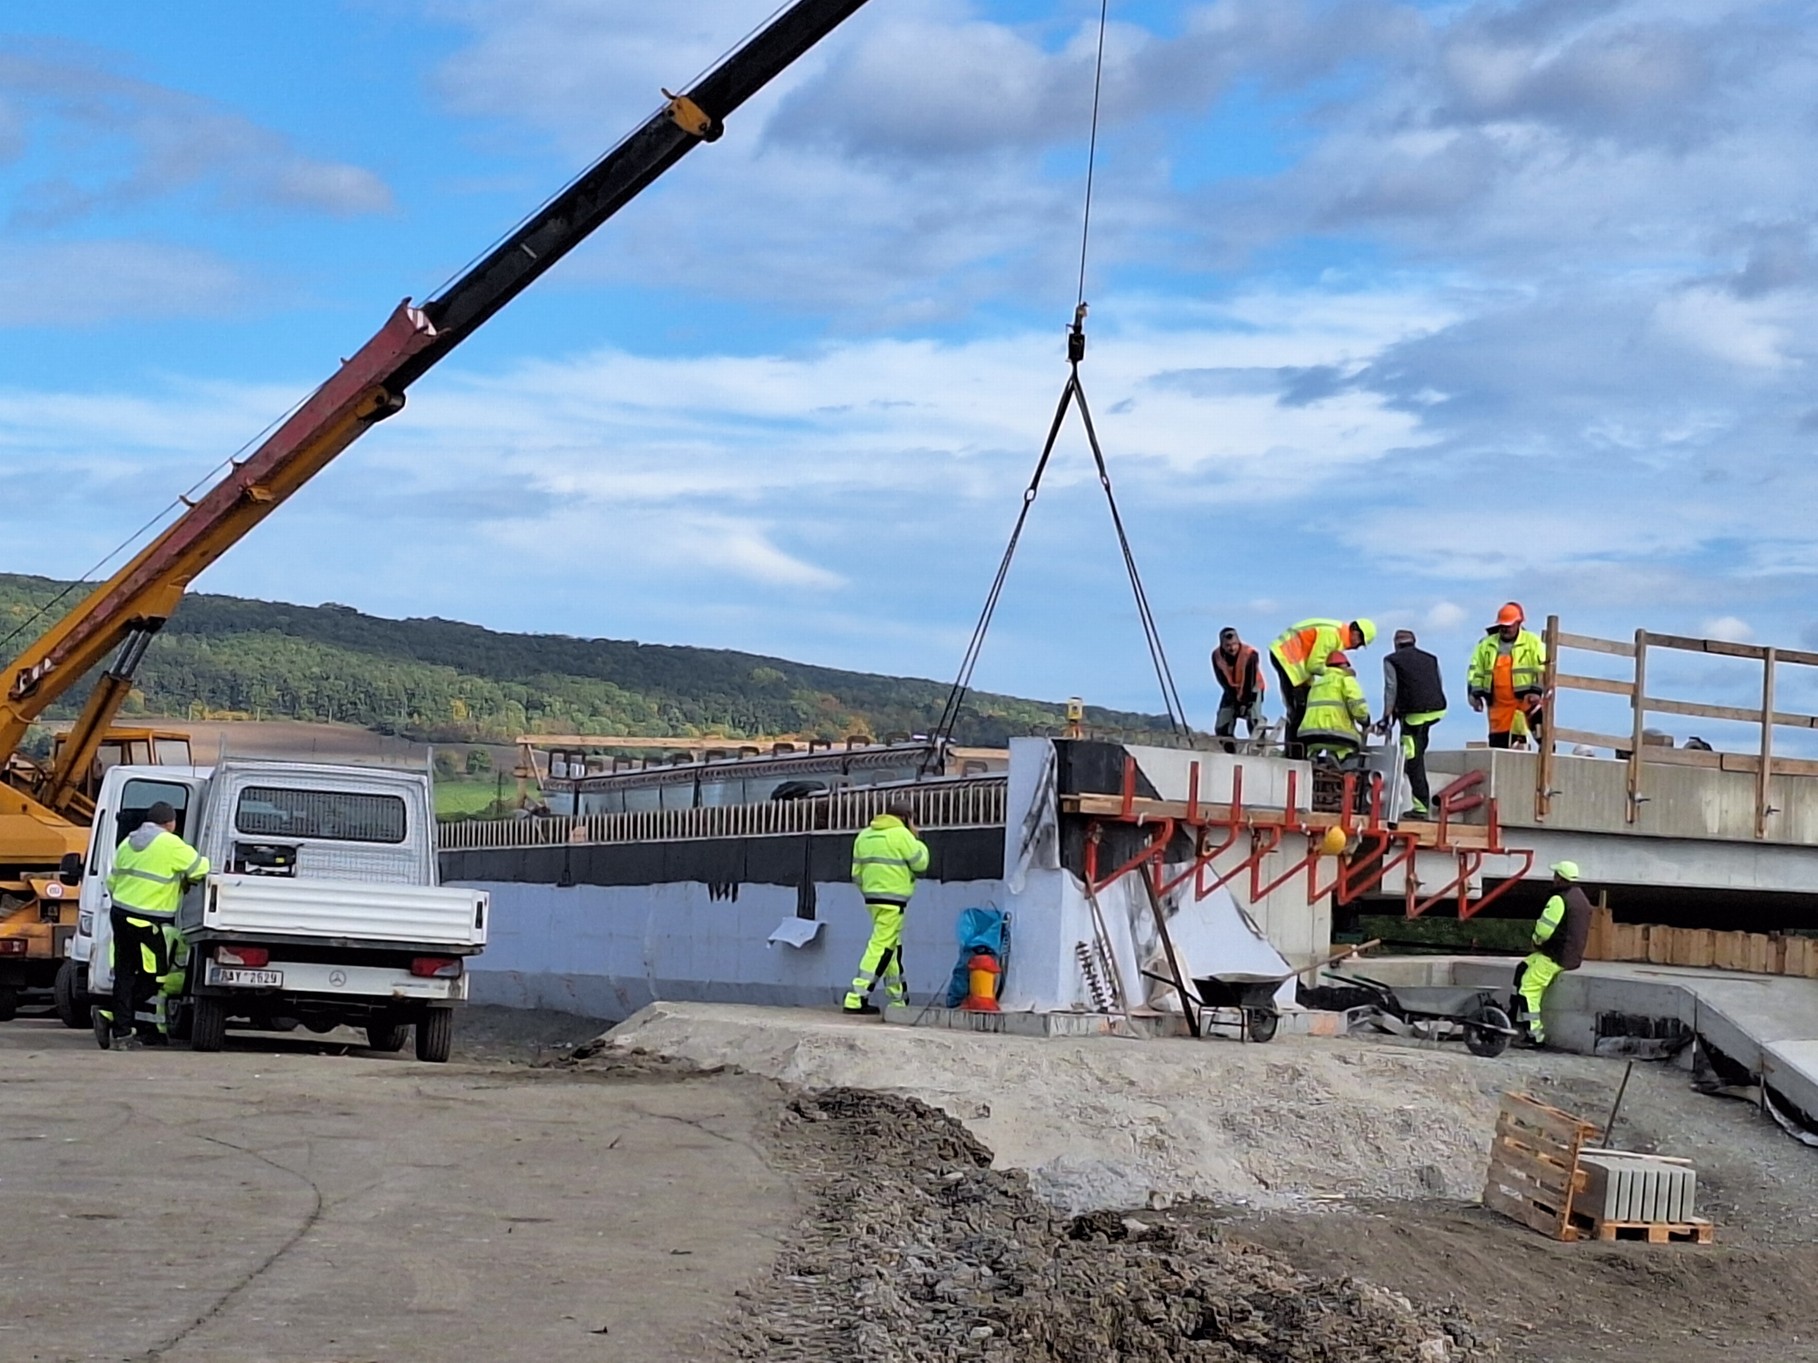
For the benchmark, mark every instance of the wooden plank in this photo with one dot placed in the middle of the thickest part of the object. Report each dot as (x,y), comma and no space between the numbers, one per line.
(1586,736)
(1684,757)
(1658,949)
(1686,643)
(1638,736)
(1573,682)
(1592,644)
(1526,1213)
(1728,951)
(1659,705)
(1767,745)
(1111,806)
(1513,1161)
(1541,1142)
(1603,924)
(1700,946)
(1564,1129)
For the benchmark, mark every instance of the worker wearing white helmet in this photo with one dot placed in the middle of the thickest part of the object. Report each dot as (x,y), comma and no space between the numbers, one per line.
(1559,941)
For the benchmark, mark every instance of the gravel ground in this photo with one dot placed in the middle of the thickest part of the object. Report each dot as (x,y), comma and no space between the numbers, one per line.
(918,1251)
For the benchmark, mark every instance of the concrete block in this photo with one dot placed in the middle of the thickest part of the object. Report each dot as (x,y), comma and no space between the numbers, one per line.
(1624,1186)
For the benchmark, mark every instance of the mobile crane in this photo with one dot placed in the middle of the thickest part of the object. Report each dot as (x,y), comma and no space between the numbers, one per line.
(46,808)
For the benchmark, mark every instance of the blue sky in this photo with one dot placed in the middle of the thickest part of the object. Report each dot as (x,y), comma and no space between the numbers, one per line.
(1398,309)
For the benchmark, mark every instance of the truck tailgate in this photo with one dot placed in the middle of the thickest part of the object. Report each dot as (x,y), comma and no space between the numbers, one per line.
(278,906)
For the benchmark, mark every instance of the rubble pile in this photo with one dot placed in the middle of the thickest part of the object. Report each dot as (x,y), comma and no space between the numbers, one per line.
(917,1251)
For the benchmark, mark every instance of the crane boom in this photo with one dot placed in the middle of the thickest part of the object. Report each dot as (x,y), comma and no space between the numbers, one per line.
(134,603)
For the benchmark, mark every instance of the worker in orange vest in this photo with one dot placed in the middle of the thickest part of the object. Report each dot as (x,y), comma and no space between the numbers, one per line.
(1508,675)
(1238,668)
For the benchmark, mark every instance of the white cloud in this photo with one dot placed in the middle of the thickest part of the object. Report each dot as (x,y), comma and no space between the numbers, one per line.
(118,140)
(1728,627)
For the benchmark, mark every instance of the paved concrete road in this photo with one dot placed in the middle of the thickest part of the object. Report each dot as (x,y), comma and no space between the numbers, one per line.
(279,1203)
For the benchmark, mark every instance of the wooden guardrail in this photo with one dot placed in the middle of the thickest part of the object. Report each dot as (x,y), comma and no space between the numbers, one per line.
(1762,763)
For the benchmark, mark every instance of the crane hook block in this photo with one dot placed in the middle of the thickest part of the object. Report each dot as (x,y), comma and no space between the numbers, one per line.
(692,119)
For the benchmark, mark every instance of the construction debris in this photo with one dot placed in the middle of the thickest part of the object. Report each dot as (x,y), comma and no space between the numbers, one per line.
(915,1250)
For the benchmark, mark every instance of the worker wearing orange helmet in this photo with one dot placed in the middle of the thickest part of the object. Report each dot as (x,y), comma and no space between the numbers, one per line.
(1337,715)
(1507,674)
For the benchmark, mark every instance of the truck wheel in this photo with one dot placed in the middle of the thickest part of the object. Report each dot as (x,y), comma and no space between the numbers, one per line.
(387,1036)
(9,1002)
(68,993)
(435,1035)
(207,1024)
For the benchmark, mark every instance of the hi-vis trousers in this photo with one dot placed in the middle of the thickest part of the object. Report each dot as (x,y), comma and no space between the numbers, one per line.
(1538,971)
(883,958)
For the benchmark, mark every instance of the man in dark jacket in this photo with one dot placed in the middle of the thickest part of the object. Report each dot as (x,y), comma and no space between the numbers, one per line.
(1414,697)
(1559,941)
(1238,668)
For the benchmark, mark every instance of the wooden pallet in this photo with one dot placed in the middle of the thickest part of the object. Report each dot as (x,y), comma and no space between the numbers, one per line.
(1697,1231)
(1534,1175)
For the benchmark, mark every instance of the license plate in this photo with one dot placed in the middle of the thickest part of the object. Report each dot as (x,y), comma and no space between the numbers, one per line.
(256,979)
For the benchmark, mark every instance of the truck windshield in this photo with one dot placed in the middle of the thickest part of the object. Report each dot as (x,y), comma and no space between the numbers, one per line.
(336,815)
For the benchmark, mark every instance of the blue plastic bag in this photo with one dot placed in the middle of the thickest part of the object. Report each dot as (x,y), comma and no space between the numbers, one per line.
(979,930)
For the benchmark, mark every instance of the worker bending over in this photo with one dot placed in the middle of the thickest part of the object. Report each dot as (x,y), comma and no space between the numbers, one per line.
(1507,673)
(1238,669)
(1413,696)
(886,859)
(151,868)
(1300,654)
(1337,715)
(1559,941)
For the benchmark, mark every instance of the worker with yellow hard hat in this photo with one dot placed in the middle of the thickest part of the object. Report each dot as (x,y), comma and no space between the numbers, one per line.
(1299,655)
(1507,674)
(1559,939)
(1337,715)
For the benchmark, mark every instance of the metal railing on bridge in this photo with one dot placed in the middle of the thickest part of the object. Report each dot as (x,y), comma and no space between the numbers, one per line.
(977,803)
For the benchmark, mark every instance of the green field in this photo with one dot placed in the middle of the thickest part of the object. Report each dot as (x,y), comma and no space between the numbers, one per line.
(470,797)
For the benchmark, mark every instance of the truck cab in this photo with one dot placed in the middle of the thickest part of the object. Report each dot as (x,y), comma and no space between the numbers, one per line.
(321,907)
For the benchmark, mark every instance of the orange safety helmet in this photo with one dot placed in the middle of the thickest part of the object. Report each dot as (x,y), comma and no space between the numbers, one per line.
(1336,658)
(1511,614)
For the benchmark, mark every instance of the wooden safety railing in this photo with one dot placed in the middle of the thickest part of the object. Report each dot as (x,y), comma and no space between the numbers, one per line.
(1762,764)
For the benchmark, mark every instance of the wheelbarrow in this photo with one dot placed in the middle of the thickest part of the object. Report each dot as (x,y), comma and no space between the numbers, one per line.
(1251,1000)
(1433,1012)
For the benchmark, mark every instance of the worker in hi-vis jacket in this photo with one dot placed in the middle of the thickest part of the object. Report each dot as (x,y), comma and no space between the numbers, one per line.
(151,869)
(886,859)
(1559,941)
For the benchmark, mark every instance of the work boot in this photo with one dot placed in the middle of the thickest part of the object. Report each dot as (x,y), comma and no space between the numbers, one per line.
(863,1010)
(127,1041)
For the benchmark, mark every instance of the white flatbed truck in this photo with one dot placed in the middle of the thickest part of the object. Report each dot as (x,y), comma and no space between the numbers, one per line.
(321,908)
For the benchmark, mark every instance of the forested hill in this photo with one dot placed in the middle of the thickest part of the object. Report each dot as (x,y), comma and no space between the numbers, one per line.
(439,680)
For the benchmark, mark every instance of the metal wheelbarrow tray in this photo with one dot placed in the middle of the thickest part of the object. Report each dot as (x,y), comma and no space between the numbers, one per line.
(1435,1012)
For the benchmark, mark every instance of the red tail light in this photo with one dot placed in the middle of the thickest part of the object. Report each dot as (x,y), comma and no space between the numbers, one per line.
(14,946)
(436,967)
(247,956)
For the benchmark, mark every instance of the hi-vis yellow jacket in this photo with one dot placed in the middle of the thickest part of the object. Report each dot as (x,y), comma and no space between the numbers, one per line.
(886,859)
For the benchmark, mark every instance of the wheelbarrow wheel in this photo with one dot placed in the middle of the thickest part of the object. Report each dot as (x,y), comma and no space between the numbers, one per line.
(1260,1024)
(1487,1032)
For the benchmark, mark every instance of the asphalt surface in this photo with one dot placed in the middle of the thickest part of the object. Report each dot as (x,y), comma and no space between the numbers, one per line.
(295,1202)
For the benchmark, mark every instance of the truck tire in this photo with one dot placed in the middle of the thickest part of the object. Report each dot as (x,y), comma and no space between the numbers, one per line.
(435,1035)
(9,1002)
(387,1036)
(207,1024)
(69,993)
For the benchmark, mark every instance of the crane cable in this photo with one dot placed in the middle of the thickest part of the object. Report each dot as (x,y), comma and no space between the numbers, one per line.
(1073,391)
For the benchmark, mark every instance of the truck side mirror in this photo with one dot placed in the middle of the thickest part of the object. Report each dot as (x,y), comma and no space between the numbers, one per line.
(70,869)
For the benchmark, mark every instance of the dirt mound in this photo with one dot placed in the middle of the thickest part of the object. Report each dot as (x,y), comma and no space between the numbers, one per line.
(916,1250)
